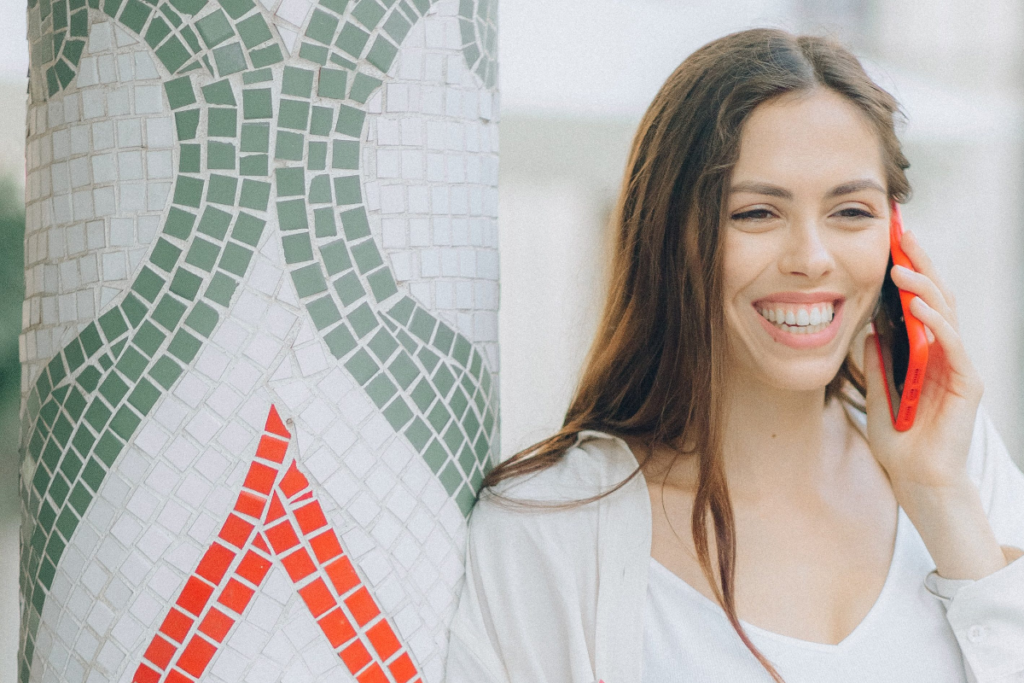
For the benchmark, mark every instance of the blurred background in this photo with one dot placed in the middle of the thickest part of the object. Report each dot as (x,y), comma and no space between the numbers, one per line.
(576,75)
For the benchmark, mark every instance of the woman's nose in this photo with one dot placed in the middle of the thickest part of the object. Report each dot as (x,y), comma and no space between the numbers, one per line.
(806,252)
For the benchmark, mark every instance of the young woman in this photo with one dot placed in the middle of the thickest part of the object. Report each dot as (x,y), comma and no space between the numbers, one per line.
(714,508)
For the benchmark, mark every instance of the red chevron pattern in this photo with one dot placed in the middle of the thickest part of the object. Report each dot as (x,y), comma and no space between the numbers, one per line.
(276,519)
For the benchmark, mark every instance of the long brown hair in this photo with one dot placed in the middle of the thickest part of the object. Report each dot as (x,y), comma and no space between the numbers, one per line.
(655,370)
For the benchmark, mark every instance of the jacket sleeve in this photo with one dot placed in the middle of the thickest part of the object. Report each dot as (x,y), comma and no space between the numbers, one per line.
(987,616)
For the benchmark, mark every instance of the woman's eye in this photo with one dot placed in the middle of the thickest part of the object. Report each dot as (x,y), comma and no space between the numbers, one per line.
(854,212)
(753,214)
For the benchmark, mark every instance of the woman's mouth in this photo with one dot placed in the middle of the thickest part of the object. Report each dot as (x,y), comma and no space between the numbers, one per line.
(797,318)
(806,324)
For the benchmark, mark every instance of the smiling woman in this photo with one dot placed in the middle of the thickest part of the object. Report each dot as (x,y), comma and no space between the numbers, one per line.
(723,392)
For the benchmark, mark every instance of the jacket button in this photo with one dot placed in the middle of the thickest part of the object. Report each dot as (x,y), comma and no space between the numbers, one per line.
(976,634)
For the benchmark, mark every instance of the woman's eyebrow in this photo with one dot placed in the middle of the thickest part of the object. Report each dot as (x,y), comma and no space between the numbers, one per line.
(782,193)
(855,186)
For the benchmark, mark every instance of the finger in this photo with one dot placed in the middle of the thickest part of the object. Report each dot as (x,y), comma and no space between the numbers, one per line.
(923,264)
(924,287)
(952,345)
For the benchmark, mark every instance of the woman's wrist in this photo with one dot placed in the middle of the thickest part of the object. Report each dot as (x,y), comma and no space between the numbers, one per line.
(953,524)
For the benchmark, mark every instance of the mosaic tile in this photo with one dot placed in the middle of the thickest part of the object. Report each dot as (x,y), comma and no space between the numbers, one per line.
(90,408)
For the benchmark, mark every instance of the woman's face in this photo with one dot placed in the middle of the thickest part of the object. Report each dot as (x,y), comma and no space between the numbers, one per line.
(806,239)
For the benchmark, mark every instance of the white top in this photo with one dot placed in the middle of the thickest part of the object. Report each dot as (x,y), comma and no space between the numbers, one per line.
(904,637)
(559,595)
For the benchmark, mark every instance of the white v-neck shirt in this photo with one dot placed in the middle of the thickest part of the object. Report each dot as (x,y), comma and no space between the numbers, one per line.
(904,637)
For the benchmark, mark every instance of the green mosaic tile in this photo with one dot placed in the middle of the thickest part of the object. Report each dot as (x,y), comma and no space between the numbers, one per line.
(422,324)
(106,362)
(443,379)
(403,310)
(253,31)
(418,434)
(220,155)
(345,155)
(193,42)
(165,255)
(184,346)
(294,114)
(221,289)
(380,390)
(214,28)
(80,499)
(355,223)
(340,341)
(423,395)
(323,223)
(144,396)
(222,189)
(179,92)
(352,39)
(189,159)
(397,27)
(297,248)
(476,364)
(361,366)
(89,378)
(248,229)
(317,156)
(368,12)
(56,368)
(255,137)
(321,27)
(443,338)
(149,337)
(332,84)
(453,438)
(471,424)
(235,259)
(97,415)
(435,456)
(188,191)
(186,123)
(349,288)
(202,254)
(189,6)
(466,499)
(467,459)
(168,313)
(320,121)
(347,190)
(335,5)
(214,222)
(336,58)
(382,284)
(313,53)
(256,103)
(75,404)
(179,223)
(74,354)
(362,320)
(223,122)
(324,312)
(73,49)
(219,93)
(266,56)
(381,55)
(291,182)
(257,76)
(132,363)
(335,257)
(46,517)
(230,59)
(134,15)
(202,319)
(165,372)
(291,215)
(297,82)
(255,195)
(383,344)
(236,8)
(320,190)
(113,324)
(289,146)
(362,87)
(366,256)
(125,422)
(309,280)
(93,474)
(133,309)
(461,350)
(172,54)
(450,478)
(254,165)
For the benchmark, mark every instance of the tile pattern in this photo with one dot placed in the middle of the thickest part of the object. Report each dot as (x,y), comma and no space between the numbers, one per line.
(249,193)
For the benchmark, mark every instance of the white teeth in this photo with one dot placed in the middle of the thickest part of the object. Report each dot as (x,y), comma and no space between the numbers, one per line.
(815,317)
(790,317)
(803,319)
(780,315)
(770,314)
(800,320)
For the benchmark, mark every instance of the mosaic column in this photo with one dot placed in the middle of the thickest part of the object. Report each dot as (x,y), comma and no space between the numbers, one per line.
(260,335)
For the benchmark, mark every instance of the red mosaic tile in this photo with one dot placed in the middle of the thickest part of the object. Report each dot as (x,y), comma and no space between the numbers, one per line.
(282,537)
(272,449)
(293,481)
(196,656)
(176,625)
(355,656)
(337,627)
(236,596)
(310,517)
(362,606)
(325,546)
(317,597)
(176,676)
(305,496)
(342,575)
(194,595)
(402,669)
(383,639)
(260,542)
(250,504)
(275,425)
(298,565)
(253,568)
(215,563)
(276,510)
(160,652)
(236,531)
(216,624)
(144,674)
(373,675)
(260,478)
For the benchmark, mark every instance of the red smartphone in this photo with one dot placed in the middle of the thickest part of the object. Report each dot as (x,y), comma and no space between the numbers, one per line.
(899,336)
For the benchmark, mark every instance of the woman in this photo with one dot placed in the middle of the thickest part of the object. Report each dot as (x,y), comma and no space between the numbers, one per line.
(713,508)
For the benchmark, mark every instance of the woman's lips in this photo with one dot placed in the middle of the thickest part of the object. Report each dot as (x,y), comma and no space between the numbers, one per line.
(808,311)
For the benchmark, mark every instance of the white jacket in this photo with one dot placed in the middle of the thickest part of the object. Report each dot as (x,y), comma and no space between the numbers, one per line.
(557,596)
